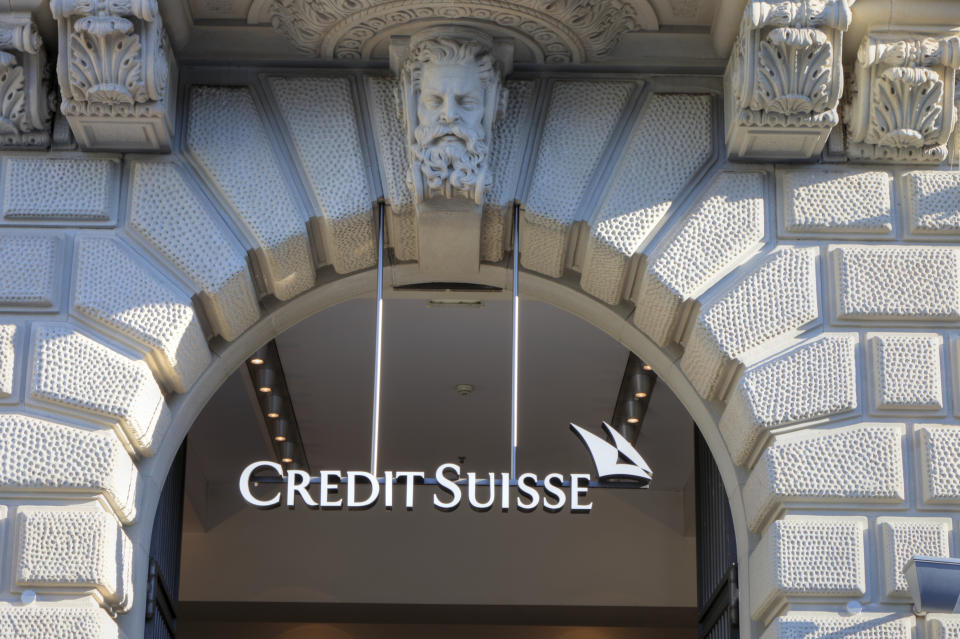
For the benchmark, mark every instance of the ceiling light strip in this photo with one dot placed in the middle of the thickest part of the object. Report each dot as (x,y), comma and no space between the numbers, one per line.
(273,398)
(515,363)
(375,435)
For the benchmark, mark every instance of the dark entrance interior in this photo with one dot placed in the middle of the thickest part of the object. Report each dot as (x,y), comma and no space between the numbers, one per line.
(652,563)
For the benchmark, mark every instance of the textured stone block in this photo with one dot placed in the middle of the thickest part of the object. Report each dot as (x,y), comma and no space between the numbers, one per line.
(390,137)
(8,358)
(54,190)
(51,621)
(931,201)
(29,270)
(74,371)
(775,300)
(830,201)
(943,626)
(726,224)
(224,131)
(44,456)
(580,122)
(901,538)
(825,625)
(862,463)
(671,140)
(113,290)
(897,283)
(176,223)
(319,114)
(811,382)
(906,371)
(74,550)
(507,153)
(938,449)
(807,557)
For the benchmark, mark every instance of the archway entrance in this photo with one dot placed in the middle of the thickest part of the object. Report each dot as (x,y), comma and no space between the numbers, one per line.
(631,563)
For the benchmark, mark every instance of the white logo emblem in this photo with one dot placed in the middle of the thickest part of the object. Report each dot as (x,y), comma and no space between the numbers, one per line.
(615,460)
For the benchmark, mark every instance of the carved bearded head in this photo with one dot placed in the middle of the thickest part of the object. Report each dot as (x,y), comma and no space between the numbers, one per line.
(453,83)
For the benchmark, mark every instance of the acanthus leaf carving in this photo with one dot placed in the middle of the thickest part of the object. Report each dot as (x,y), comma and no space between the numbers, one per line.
(902,107)
(785,78)
(115,63)
(26,102)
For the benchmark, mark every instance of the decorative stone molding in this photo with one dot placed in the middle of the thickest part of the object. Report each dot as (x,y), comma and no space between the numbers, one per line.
(116,73)
(903,93)
(784,81)
(451,86)
(26,102)
(553,32)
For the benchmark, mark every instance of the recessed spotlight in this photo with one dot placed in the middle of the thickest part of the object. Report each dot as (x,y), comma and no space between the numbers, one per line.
(256,361)
(286,452)
(280,430)
(265,380)
(274,406)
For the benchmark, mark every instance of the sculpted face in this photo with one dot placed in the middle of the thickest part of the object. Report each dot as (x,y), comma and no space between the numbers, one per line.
(450,137)
(451,95)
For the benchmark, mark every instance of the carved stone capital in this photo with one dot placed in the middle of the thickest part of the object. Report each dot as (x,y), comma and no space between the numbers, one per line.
(784,80)
(116,73)
(903,96)
(26,103)
(451,85)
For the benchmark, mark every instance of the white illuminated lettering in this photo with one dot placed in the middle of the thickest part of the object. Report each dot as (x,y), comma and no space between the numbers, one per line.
(504,492)
(245,484)
(526,485)
(578,488)
(329,480)
(552,485)
(448,485)
(352,489)
(472,491)
(409,478)
(297,483)
(388,489)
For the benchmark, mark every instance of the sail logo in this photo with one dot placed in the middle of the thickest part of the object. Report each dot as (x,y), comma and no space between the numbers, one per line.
(267,484)
(617,459)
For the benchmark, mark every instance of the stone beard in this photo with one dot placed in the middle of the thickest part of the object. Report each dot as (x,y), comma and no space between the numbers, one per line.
(451,81)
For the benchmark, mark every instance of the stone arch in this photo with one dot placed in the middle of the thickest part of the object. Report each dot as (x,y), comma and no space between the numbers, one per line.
(804,315)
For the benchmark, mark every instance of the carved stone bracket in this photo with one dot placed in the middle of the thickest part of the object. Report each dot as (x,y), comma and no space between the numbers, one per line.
(116,73)
(451,92)
(903,96)
(25,99)
(784,81)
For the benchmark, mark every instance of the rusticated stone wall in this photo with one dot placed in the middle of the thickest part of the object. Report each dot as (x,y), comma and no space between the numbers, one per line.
(806,315)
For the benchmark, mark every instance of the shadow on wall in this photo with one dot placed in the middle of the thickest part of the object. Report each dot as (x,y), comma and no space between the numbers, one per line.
(218,630)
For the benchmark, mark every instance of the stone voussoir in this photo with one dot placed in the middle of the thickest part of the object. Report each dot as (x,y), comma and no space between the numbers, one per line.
(173,220)
(74,371)
(722,228)
(49,457)
(775,300)
(852,465)
(812,382)
(116,292)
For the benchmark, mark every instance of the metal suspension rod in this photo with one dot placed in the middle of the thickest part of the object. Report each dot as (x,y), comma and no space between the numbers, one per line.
(378,355)
(515,363)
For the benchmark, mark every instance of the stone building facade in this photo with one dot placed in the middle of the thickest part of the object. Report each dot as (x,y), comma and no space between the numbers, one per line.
(778,239)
